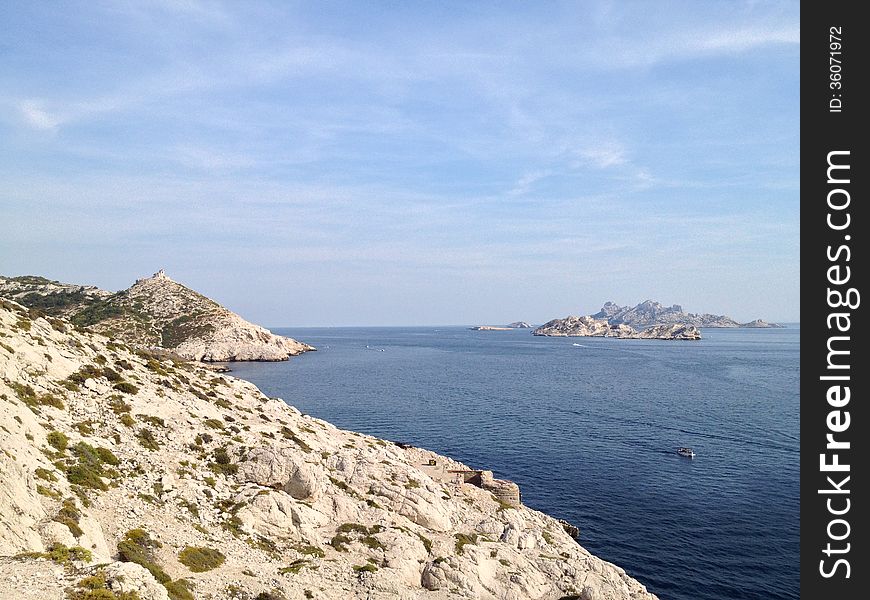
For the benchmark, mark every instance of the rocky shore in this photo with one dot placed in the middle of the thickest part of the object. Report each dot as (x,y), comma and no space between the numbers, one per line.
(130,475)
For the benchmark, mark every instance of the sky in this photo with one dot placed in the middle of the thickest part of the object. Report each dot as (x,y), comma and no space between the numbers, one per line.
(407,163)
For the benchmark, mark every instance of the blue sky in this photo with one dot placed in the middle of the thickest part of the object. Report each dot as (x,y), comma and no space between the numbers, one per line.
(365,163)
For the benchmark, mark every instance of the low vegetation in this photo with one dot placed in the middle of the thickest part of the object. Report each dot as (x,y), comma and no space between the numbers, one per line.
(139,547)
(61,554)
(199,559)
(89,466)
(463,540)
(95,587)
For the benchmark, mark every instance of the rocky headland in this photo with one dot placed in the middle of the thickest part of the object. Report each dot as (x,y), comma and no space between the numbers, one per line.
(132,475)
(650,312)
(155,312)
(587,326)
(520,325)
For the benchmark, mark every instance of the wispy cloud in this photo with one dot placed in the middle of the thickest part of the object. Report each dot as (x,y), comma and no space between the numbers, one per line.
(37,117)
(525,183)
(604,155)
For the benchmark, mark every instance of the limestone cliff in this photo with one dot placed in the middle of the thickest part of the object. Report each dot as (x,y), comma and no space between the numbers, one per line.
(156,312)
(137,477)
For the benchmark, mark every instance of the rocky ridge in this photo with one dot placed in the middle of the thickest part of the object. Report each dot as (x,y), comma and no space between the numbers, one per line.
(52,297)
(156,312)
(649,313)
(587,326)
(124,475)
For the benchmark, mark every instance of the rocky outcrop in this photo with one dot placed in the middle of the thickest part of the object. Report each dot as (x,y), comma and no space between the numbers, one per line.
(489,328)
(583,327)
(761,324)
(650,312)
(670,332)
(520,325)
(156,312)
(128,471)
(587,326)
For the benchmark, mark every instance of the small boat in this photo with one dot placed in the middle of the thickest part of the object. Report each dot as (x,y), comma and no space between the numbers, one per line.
(687,452)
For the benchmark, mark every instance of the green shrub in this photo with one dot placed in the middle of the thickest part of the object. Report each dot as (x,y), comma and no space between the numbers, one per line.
(222,462)
(89,469)
(44,474)
(61,554)
(57,440)
(366,568)
(106,456)
(180,589)
(147,439)
(69,515)
(126,387)
(84,427)
(85,372)
(340,542)
(199,559)
(462,540)
(111,374)
(152,420)
(138,547)
(118,406)
(46,491)
(310,551)
(86,477)
(272,595)
(294,567)
(98,310)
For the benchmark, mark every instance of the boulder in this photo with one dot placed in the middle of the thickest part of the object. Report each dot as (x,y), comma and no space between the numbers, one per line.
(282,470)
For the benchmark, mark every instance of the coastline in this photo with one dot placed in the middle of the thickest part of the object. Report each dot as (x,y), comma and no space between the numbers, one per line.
(199,460)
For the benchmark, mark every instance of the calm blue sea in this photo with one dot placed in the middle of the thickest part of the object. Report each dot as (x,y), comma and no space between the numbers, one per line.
(588,428)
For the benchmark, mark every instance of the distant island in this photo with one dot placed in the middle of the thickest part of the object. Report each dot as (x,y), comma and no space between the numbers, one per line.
(508,327)
(587,326)
(647,320)
(155,313)
(650,312)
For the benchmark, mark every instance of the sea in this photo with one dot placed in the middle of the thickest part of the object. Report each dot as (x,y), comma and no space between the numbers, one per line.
(588,428)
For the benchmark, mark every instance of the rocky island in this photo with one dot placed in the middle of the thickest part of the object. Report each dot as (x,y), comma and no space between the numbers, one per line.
(587,326)
(520,325)
(489,328)
(132,475)
(155,312)
(650,312)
